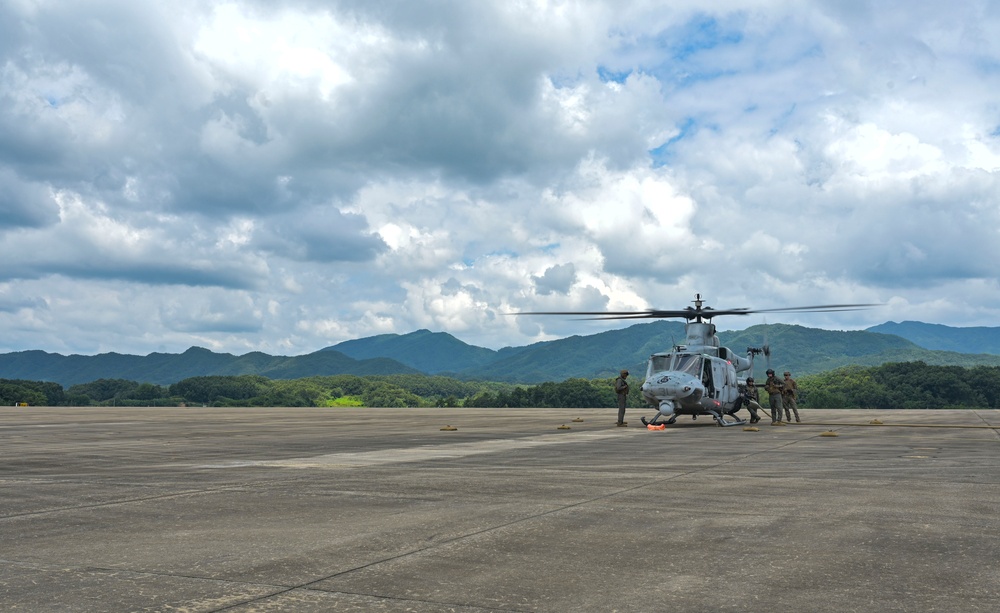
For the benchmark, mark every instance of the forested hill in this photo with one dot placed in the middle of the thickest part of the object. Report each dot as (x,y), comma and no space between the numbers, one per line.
(595,355)
(798,349)
(808,350)
(944,338)
(430,352)
(167,368)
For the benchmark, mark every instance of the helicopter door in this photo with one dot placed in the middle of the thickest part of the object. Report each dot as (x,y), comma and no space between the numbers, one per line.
(729,388)
(709,377)
(717,379)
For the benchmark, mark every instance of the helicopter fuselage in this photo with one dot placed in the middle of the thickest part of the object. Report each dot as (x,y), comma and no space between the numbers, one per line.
(684,382)
(697,378)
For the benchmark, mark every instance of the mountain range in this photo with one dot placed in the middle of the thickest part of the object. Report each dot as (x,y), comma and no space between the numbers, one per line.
(944,338)
(166,368)
(796,348)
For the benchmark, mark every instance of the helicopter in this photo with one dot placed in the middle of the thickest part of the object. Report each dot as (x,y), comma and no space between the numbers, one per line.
(699,376)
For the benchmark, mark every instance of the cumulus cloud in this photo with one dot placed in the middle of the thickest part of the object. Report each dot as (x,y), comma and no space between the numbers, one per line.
(281,176)
(558,279)
(24,204)
(319,234)
(91,241)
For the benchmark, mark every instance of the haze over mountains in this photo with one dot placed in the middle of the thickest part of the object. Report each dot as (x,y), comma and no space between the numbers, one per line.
(796,348)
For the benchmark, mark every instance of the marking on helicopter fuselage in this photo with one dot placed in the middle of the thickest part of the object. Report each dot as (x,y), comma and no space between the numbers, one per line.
(419,454)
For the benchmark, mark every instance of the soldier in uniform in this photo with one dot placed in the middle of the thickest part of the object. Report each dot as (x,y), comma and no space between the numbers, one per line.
(752,399)
(773,388)
(788,397)
(621,388)
(747,397)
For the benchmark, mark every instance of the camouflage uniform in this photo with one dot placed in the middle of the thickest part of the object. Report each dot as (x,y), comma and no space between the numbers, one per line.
(621,388)
(773,388)
(788,397)
(752,400)
(747,398)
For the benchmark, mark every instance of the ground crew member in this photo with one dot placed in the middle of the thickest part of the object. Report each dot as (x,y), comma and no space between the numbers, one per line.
(621,388)
(789,396)
(773,387)
(752,399)
(745,399)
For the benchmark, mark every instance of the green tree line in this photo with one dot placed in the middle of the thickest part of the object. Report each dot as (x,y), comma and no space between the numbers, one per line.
(571,393)
(905,385)
(253,390)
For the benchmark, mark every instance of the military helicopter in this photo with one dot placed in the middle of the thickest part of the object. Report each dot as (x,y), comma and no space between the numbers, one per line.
(699,376)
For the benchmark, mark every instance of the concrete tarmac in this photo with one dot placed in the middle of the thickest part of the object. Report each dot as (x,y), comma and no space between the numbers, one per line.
(278,509)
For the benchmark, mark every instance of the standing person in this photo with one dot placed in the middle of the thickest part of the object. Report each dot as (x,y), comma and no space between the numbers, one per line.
(788,397)
(621,388)
(773,388)
(752,400)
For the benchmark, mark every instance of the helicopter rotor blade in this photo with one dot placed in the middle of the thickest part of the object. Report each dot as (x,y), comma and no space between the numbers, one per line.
(819,308)
(612,314)
(609,313)
(595,314)
(690,313)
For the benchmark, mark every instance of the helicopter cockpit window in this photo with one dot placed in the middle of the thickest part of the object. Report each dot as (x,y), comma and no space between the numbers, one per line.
(691,364)
(659,363)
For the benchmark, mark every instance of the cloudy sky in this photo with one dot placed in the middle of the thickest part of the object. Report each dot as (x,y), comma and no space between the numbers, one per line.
(283,175)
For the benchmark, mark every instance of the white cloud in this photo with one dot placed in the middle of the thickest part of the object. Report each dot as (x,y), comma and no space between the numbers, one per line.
(281,176)
(284,53)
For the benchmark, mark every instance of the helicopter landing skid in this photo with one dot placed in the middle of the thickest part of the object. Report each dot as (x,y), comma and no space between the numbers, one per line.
(720,418)
(656,420)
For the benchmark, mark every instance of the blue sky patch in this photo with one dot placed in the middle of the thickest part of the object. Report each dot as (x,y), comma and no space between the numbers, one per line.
(988,65)
(663,154)
(607,75)
(701,33)
(561,80)
(680,51)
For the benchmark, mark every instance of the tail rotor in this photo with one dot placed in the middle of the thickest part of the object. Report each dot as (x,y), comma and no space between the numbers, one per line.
(766,349)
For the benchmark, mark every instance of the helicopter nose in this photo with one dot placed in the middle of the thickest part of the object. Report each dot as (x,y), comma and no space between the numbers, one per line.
(680,388)
(672,387)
